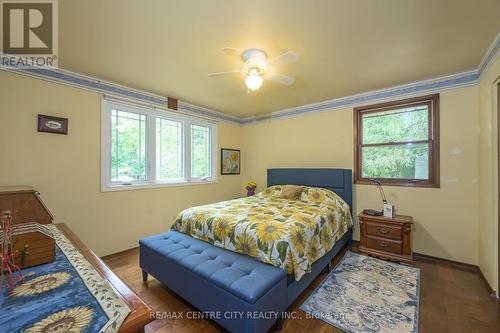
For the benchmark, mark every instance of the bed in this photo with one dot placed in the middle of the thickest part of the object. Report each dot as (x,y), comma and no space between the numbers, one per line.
(287,230)
(222,251)
(336,180)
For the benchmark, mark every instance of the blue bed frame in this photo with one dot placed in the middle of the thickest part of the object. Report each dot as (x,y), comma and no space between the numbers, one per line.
(336,180)
(191,267)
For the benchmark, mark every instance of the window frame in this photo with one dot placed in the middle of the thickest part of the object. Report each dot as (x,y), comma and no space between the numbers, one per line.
(432,101)
(152,114)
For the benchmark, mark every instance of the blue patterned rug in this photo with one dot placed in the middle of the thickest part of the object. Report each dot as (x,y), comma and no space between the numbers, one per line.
(68,295)
(365,294)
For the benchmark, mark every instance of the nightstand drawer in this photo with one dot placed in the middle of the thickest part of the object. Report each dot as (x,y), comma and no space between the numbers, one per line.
(383,230)
(384,245)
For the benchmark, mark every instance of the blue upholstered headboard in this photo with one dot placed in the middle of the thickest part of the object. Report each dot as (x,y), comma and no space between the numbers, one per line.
(336,180)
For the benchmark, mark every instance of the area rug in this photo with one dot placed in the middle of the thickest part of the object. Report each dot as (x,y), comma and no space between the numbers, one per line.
(68,295)
(365,294)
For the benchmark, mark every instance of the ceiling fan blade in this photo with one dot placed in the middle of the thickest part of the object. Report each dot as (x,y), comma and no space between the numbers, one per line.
(282,79)
(229,50)
(222,73)
(285,58)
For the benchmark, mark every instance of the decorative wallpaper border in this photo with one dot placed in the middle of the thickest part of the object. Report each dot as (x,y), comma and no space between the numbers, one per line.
(97,85)
(86,82)
(408,90)
(490,55)
(204,112)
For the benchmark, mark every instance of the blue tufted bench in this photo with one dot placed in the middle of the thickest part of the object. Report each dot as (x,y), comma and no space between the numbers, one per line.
(241,294)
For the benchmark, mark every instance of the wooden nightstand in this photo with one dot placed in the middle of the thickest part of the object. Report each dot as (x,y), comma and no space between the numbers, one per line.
(386,238)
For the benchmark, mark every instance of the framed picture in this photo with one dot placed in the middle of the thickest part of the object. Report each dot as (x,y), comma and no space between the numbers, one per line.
(52,124)
(230,161)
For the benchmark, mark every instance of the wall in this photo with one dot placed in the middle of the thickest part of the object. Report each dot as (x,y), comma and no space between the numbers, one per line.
(66,169)
(446,218)
(488,166)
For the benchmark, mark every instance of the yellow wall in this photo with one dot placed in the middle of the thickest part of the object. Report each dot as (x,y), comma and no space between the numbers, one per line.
(488,196)
(446,218)
(66,169)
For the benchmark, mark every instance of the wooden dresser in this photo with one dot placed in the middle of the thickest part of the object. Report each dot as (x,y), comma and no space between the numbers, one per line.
(386,238)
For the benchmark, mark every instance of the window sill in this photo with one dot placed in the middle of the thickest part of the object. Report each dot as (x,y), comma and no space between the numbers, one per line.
(120,187)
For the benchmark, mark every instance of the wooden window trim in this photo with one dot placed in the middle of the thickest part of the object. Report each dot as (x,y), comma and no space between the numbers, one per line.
(433,102)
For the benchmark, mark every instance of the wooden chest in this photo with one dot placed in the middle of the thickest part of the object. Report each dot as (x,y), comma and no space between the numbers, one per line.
(32,242)
(387,238)
(25,204)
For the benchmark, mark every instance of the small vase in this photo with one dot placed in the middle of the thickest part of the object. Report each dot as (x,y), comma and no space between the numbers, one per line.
(250,193)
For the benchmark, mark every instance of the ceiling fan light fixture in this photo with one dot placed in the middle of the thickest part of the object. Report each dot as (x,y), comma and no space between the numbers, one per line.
(255,67)
(253,82)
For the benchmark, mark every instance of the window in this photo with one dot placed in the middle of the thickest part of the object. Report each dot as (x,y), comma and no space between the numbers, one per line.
(200,151)
(398,142)
(128,146)
(169,149)
(143,147)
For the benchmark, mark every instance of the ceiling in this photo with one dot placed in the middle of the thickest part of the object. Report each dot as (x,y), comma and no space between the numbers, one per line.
(346,47)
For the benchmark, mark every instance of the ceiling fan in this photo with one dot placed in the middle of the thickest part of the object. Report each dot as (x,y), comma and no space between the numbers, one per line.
(256,67)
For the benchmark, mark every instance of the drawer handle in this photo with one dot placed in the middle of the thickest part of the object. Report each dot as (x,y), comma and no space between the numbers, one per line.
(383,230)
(383,244)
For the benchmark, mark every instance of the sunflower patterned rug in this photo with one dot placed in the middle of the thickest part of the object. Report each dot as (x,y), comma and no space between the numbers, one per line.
(365,294)
(68,295)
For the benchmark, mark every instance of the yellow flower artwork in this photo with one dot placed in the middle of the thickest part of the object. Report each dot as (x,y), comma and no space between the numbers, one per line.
(230,161)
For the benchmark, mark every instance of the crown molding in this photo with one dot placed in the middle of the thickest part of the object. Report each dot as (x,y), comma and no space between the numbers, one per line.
(90,83)
(490,55)
(107,88)
(201,111)
(111,89)
(420,88)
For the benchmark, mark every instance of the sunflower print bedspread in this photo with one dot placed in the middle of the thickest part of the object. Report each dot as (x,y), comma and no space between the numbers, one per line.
(291,234)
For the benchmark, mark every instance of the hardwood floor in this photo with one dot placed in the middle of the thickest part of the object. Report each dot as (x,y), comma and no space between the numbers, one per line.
(451,300)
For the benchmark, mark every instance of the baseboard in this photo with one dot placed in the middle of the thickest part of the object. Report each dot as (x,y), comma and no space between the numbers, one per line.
(437,260)
(492,292)
(117,254)
(455,264)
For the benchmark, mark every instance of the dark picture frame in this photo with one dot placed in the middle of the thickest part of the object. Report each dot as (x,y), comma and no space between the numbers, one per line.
(228,166)
(51,124)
